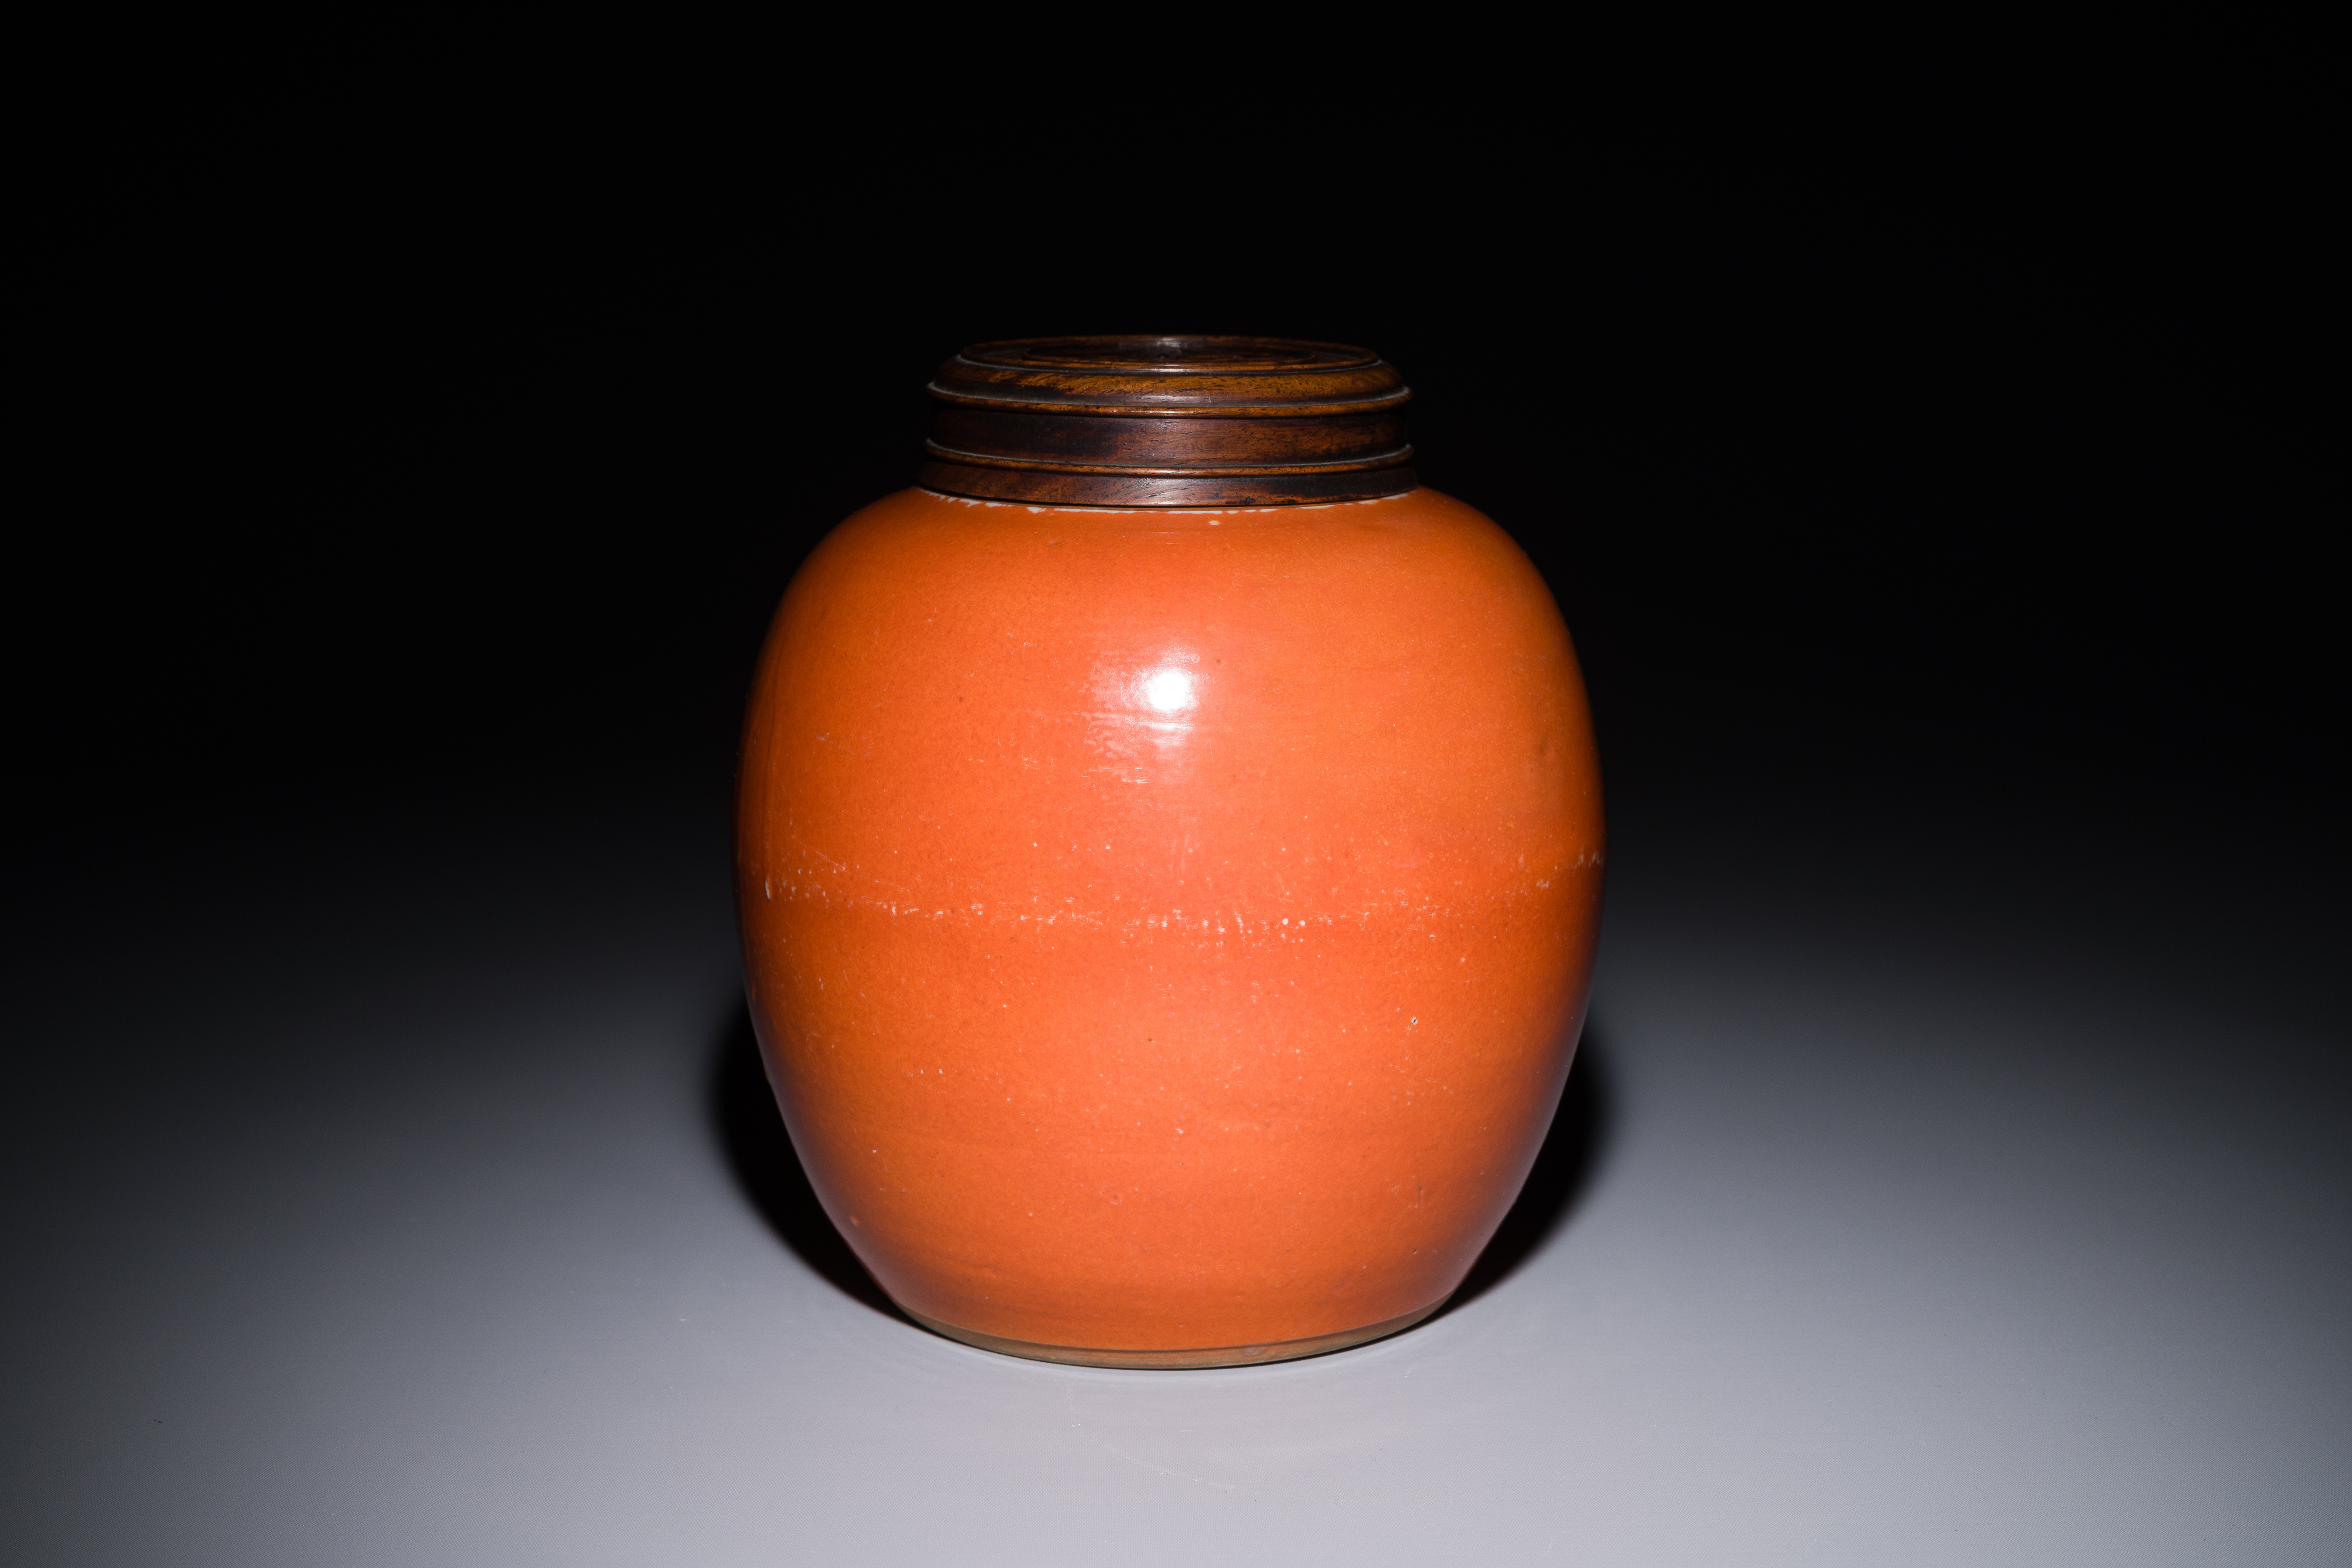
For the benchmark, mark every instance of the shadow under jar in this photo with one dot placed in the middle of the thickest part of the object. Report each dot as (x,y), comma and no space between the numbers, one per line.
(1169,851)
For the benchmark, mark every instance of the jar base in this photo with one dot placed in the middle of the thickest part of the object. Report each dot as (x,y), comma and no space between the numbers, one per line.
(1224,1355)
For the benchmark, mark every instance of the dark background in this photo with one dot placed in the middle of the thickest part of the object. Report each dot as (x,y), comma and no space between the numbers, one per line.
(1964,465)
(1944,503)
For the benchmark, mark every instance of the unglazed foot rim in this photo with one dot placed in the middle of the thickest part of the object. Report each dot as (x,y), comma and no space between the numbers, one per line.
(1223,1355)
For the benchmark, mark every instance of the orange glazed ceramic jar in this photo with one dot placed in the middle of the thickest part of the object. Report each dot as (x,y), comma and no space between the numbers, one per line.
(1169,851)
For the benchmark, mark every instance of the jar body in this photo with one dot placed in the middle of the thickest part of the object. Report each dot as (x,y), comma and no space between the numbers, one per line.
(1168,932)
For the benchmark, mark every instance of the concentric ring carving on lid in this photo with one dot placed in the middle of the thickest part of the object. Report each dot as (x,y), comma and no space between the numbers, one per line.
(1138,420)
(1231,376)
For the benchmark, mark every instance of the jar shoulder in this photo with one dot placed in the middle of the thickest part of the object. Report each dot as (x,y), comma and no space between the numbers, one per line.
(1389,660)
(1421,556)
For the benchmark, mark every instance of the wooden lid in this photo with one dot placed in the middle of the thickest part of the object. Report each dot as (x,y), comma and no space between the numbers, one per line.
(1167,421)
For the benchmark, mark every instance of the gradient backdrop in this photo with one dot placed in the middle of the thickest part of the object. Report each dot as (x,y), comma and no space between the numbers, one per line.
(1955,1169)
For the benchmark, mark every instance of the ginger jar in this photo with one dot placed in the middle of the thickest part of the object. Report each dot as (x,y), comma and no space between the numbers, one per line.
(1169,854)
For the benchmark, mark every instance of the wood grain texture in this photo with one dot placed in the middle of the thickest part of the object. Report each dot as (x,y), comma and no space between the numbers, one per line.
(1167,421)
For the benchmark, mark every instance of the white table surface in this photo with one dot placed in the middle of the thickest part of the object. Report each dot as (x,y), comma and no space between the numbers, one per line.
(1955,1197)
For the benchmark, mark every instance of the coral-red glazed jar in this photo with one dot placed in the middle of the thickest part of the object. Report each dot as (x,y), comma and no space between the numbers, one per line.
(1169,856)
